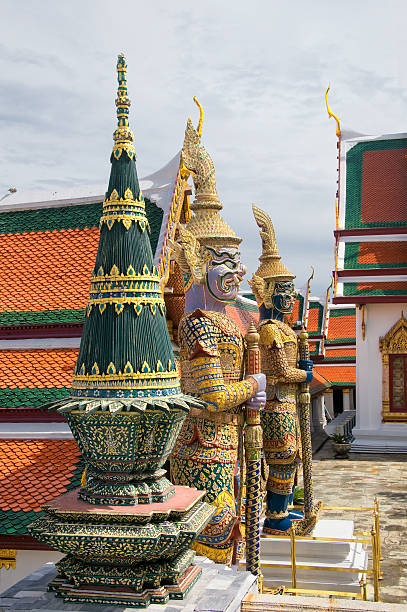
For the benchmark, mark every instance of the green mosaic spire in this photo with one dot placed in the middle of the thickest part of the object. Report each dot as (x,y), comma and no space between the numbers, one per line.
(125,412)
(125,350)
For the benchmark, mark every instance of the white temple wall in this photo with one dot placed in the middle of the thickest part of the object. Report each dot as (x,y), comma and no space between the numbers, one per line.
(371,435)
(27,562)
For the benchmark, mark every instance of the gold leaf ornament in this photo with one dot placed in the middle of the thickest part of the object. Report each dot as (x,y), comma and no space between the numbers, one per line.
(190,255)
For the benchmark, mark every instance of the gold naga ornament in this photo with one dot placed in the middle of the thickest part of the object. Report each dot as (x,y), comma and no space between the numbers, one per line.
(271,269)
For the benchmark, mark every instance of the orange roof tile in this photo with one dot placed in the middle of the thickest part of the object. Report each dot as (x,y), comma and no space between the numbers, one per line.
(372,286)
(242,318)
(384,197)
(318,383)
(338,374)
(296,310)
(342,327)
(33,472)
(382,252)
(342,352)
(48,270)
(313,320)
(37,368)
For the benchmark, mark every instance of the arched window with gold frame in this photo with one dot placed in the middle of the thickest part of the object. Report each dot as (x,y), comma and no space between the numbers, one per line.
(393,348)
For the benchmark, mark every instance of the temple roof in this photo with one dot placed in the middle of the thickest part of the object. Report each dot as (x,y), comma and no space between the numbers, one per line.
(341,326)
(338,363)
(372,224)
(50,247)
(33,377)
(53,267)
(319,383)
(338,374)
(32,473)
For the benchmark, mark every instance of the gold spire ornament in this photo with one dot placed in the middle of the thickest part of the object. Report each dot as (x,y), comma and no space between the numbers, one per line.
(123,136)
(271,267)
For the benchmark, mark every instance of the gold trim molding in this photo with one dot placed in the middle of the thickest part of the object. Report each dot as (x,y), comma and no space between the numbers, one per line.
(8,558)
(393,343)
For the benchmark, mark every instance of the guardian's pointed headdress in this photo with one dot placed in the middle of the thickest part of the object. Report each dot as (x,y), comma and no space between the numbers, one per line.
(206,224)
(271,267)
(206,228)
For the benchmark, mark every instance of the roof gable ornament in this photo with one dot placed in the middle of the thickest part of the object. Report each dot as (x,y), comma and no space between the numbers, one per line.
(395,341)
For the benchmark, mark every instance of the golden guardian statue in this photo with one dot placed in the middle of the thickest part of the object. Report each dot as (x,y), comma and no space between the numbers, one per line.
(208,452)
(273,289)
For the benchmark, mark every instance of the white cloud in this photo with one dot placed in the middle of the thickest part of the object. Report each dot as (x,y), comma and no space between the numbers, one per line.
(260,70)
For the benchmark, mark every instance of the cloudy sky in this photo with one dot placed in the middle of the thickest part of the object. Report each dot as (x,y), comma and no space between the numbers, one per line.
(260,70)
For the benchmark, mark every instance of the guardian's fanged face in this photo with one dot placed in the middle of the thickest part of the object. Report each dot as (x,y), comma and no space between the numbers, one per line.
(284,296)
(224,273)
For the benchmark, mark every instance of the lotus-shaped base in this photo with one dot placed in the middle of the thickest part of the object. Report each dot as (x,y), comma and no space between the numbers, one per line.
(152,489)
(124,444)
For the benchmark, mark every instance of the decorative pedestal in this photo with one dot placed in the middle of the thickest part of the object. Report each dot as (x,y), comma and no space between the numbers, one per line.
(124,555)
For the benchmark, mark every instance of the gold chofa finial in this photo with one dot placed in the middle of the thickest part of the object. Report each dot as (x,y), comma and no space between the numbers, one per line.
(199,129)
(331,114)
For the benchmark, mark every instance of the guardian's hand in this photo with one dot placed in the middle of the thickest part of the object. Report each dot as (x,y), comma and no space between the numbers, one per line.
(258,401)
(307,365)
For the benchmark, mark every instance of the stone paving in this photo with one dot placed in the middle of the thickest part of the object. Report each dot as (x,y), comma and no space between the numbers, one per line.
(218,590)
(355,482)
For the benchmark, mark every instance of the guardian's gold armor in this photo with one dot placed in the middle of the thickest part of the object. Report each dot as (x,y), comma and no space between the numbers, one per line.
(281,435)
(206,454)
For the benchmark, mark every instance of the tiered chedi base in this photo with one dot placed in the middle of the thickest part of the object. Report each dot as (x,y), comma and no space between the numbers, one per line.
(124,555)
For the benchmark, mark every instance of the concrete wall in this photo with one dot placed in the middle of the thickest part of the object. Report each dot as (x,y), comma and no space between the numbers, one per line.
(370,433)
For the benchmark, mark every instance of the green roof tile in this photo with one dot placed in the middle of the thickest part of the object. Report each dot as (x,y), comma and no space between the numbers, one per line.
(70,217)
(351,289)
(42,317)
(51,219)
(342,312)
(17,522)
(30,398)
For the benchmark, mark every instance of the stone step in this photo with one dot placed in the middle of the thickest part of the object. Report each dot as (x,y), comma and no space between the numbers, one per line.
(329,580)
(311,549)
(332,555)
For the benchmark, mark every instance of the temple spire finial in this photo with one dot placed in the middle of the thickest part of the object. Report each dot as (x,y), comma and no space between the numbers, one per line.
(331,114)
(199,129)
(123,136)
